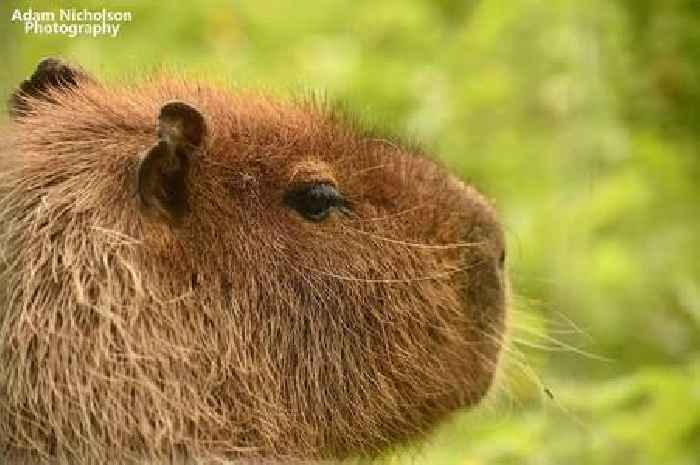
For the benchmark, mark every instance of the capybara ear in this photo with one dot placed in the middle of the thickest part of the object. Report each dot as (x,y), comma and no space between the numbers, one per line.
(50,73)
(162,170)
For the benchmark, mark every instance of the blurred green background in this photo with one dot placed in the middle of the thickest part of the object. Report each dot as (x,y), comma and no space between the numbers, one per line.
(580,119)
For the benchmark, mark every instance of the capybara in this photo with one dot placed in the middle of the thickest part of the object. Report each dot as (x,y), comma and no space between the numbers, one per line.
(208,274)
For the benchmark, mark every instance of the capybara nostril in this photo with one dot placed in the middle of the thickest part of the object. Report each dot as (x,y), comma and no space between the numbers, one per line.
(211,275)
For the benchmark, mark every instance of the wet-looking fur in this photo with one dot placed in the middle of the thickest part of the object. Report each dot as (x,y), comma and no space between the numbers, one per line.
(188,271)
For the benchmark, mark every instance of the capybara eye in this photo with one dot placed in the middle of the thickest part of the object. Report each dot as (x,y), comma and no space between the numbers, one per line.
(314,201)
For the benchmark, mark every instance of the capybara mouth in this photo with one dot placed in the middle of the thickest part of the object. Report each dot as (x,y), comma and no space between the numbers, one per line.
(193,272)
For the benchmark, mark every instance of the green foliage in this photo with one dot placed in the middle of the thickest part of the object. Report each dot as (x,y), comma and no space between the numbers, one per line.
(580,120)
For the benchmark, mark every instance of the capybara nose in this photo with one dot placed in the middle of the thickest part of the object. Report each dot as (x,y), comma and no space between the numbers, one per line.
(485,251)
(484,263)
(486,287)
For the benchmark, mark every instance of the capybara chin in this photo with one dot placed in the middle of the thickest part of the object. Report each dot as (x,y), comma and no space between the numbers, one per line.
(211,275)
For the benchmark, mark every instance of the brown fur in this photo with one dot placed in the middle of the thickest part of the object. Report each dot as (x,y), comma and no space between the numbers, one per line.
(245,330)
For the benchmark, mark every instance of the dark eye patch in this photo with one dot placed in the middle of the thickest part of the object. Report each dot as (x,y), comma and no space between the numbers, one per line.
(315,201)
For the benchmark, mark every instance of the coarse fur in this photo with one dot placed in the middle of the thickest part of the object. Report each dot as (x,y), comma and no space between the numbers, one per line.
(239,329)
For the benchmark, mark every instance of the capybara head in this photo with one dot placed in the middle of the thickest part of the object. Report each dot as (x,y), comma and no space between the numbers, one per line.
(218,275)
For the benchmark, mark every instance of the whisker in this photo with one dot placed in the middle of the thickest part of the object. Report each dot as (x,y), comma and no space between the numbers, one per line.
(432,277)
(454,245)
(558,346)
